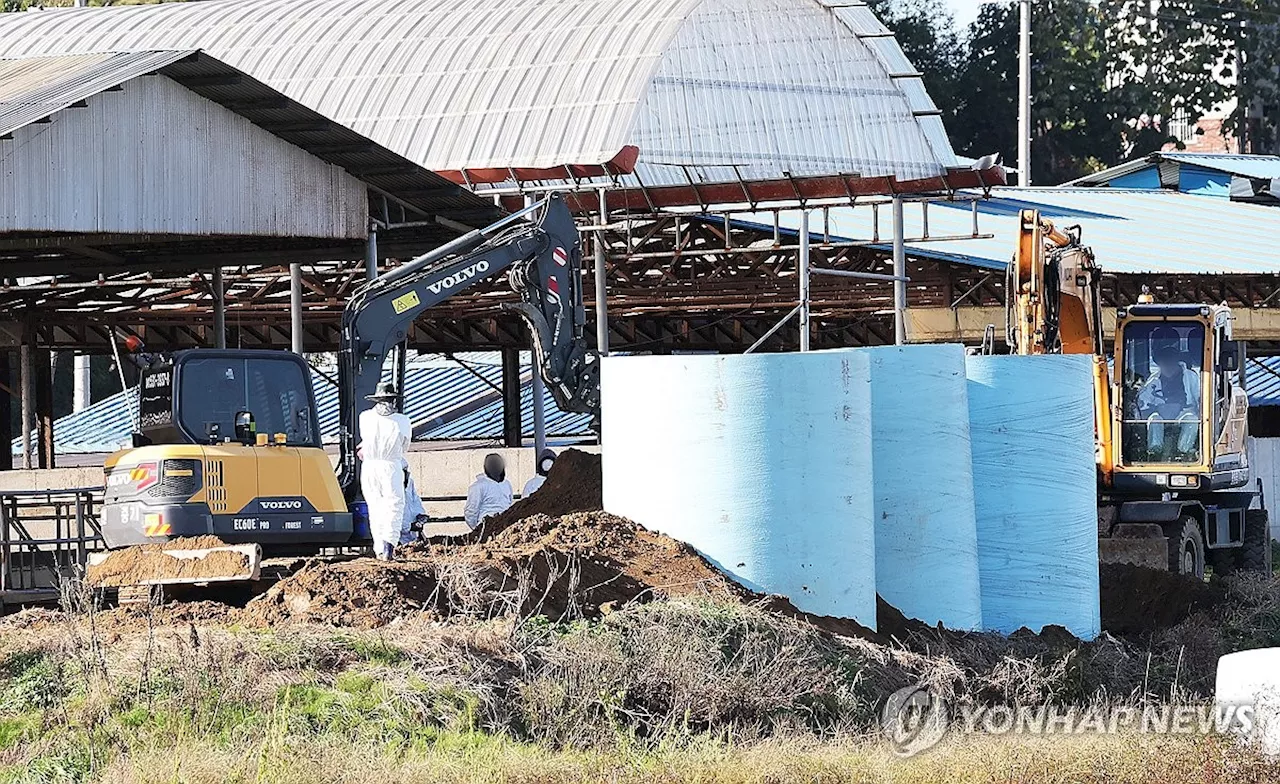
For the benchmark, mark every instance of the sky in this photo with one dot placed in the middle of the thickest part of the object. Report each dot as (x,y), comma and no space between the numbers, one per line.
(965,11)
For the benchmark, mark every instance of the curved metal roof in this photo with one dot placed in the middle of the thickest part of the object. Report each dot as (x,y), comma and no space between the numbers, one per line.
(711,88)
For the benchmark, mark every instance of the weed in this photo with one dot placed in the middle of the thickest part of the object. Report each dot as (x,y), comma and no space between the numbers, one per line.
(32,680)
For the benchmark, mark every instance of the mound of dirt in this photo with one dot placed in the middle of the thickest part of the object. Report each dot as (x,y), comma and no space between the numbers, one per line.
(1136,600)
(361,594)
(145,563)
(575,484)
(583,561)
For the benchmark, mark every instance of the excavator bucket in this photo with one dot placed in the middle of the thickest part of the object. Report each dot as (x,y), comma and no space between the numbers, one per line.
(170,563)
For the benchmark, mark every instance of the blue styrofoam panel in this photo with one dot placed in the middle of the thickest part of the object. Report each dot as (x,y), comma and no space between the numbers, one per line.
(762,462)
(1035,491)
(926,536)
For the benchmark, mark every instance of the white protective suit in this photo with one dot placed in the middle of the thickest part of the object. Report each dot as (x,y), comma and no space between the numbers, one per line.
(383,440)
(532,485)
(412,508)
(486,498)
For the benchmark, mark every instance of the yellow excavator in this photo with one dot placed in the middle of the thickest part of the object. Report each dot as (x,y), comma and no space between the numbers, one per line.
(227,453)
(1171,411)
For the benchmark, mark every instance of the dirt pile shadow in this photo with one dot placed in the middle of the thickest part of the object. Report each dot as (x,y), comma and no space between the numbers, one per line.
(1137,601)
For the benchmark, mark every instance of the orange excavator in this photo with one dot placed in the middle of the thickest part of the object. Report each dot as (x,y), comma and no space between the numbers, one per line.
(1170,415)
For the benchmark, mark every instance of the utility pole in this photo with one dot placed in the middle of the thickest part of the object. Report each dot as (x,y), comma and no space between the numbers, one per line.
(1024,93)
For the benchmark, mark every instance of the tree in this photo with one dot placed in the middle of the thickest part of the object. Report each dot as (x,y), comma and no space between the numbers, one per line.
(1080,120)
(1189,55)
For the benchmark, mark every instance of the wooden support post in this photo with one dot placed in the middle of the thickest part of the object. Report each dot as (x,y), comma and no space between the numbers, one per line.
(6,410)
(45,457)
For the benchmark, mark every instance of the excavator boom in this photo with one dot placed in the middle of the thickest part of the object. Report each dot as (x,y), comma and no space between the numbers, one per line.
(540,250)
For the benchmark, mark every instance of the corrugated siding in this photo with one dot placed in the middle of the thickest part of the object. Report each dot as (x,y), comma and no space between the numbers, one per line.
(455,84)
(486,423)
(1256,167)
(1262,379)
(1130,231)
(156,158)
(1261,167)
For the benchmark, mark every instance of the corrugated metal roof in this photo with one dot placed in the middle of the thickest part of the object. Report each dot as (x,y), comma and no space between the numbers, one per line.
(769,86)
(1258,167)
(179,164)
(1262,379)
(443,399)
(485,423)
(1130,231)
(32,89)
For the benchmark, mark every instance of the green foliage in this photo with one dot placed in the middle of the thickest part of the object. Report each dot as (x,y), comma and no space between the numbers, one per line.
(1187,54)
(17,729)
(374,650)
(31,681)
(1107,77)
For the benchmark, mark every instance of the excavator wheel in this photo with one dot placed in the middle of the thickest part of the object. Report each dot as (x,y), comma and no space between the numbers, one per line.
(1186,547)
(1255,555)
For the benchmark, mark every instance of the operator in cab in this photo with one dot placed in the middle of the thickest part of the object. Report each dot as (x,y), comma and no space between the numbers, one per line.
(545,461)
(490,493)
(384,437)
(1170,398)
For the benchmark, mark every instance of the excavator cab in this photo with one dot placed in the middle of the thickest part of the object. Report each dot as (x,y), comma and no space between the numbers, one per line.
(227,444)
(1182,409)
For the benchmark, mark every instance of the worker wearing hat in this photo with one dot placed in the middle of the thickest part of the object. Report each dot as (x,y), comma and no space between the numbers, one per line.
(384,436)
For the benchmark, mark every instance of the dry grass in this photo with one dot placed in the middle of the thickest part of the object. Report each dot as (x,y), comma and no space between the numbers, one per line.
(1109,760)
(668,691)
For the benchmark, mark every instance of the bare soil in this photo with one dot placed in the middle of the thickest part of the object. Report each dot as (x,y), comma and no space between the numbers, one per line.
(558,555)
(1137,600)
(361,594)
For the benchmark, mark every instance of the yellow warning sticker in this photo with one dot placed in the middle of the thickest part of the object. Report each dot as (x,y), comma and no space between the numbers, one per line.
(406,301)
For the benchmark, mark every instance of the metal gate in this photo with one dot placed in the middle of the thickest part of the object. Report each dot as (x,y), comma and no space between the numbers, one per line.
(45,535)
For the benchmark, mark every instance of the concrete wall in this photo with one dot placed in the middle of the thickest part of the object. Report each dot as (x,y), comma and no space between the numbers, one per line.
(436,472)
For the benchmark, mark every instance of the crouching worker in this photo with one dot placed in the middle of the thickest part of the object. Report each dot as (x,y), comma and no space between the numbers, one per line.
(415,514)
(384,437)
(490,494)
(545,461)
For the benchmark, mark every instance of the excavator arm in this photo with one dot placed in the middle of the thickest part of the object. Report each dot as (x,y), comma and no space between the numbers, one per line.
(1053,303)
(542,256)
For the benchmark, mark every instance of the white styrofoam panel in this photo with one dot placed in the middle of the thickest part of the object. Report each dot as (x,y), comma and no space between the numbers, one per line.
(1252,679)
(761,462)
(926,536)
(1035,491)
(1264,457)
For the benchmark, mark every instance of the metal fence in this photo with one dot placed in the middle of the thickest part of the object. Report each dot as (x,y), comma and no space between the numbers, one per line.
(44,536)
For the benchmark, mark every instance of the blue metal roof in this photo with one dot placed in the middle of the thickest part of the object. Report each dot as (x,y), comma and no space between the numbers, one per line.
(1262,379)
(442,399)
(1198,172)
(486,422)
(1130,231)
